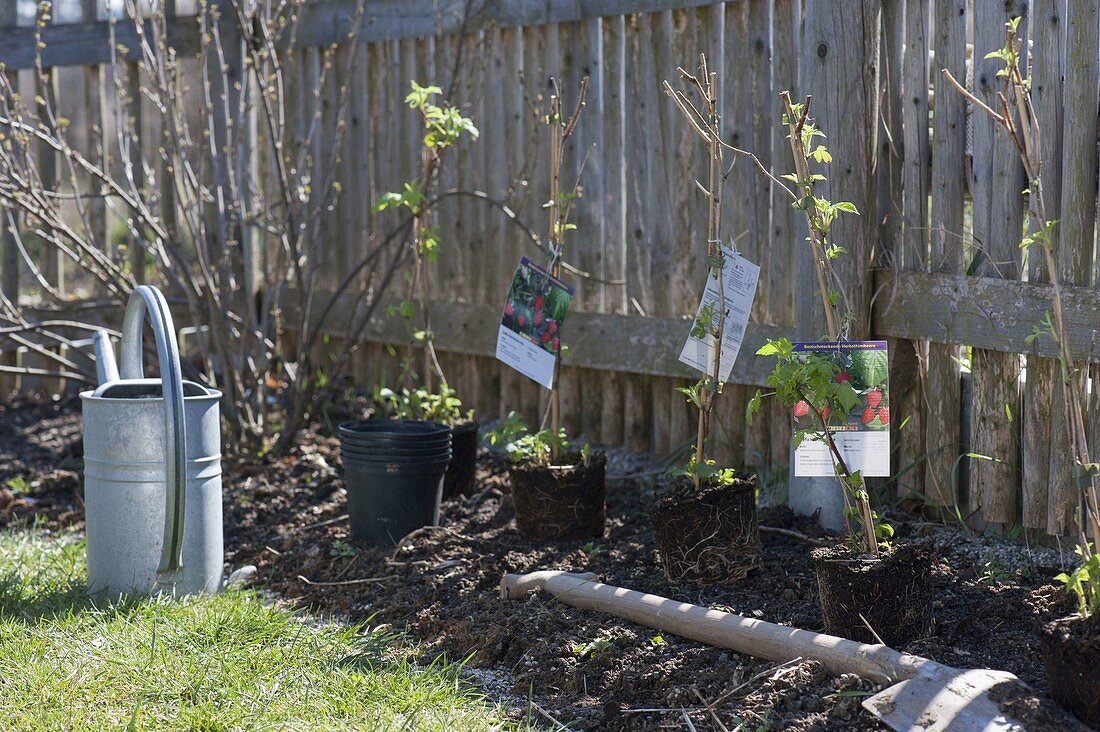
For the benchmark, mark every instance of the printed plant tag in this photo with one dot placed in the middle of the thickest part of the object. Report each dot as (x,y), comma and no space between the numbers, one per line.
(740,277)
(862,436)
(530,328)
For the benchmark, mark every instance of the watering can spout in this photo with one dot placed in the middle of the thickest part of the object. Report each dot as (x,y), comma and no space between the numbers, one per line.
(106,370)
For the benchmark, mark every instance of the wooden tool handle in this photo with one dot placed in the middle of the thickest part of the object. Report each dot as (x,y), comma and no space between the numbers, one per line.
(744,635)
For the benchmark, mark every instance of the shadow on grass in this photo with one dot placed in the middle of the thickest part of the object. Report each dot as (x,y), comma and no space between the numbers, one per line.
(43,586)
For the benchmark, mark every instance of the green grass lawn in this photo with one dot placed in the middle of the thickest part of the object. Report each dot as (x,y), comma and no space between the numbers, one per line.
(227,662)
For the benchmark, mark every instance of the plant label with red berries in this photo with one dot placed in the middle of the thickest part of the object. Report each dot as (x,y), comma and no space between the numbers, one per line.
(529,336)
(738,292)
(862,434)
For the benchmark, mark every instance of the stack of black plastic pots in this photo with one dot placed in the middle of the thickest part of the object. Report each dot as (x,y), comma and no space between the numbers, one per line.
(394,473)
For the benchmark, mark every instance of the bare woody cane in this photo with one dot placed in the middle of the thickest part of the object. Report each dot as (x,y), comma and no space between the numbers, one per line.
(706,123)
(560,204)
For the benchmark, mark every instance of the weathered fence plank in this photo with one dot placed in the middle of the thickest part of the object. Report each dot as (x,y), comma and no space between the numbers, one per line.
(996,181)
(1048,52)
(907,394)
(1075,255)
(942,427)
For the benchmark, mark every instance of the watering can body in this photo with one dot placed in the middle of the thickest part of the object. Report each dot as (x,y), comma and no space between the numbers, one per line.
(152,469)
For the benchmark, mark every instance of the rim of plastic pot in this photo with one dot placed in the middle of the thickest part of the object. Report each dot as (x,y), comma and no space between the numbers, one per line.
(397,447)
(387,459)
(392,428)
(382,451)
(398,466)
(398,444)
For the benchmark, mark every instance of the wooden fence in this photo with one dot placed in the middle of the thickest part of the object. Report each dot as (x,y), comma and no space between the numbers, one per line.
(934,256)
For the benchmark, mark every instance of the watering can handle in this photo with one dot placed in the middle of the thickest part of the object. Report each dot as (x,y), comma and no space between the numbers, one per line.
(149,300)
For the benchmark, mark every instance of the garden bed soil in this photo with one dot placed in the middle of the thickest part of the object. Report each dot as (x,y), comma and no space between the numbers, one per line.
(708,534)
(587,669)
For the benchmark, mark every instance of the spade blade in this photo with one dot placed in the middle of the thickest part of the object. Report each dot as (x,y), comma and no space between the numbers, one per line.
(944,699)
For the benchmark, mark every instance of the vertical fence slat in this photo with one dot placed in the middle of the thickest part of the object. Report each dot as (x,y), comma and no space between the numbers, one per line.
(889,184)
(759,442)
(890,130)
(785,235)
(948,184)
(997,180)
(908,404)
(1048,60)
(764,107)
(93,128)
(740,120)
(582,44)
(651,61)
(614,208)
(1075,255)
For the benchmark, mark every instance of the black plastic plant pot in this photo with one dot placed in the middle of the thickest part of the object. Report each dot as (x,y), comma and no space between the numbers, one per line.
(388,501)
(561,502)
(459,480)
(891,593)
(394,476)
(708,535)
(1071,659)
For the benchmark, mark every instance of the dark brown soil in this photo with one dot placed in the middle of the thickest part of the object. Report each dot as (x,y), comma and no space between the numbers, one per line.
(1071,658)
(708,535)
(867,598)
(587,669)
(561,502)
(462,472)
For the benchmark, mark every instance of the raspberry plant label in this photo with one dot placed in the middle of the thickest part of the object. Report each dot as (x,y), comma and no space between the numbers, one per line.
(740,277)
(529,336)
(862,436)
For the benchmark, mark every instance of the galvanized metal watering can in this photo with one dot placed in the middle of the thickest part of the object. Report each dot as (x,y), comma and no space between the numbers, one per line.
(152,467)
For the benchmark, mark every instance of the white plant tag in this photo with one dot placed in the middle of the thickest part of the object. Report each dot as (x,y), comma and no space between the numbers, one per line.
(739,282)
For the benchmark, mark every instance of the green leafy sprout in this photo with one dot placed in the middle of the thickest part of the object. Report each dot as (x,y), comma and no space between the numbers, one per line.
(1083,583)
(524,446)
(441,406)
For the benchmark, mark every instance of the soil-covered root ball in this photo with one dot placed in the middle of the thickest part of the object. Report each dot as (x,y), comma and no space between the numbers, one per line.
(708,535)
(891,593)
(561,502)
(1071,660)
